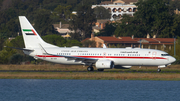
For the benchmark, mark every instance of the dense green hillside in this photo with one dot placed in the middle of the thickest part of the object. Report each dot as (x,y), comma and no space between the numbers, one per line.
(154,17)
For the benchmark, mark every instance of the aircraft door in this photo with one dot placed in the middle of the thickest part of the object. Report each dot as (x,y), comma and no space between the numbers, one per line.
(44,56)
(104,55)
(154,55)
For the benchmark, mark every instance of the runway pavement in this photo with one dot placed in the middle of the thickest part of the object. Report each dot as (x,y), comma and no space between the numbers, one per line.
(131,71)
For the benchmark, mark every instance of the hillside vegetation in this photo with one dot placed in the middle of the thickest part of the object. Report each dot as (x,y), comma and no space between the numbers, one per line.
(154,17)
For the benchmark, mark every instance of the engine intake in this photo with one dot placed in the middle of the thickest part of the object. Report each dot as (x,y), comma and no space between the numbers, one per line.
(104,64)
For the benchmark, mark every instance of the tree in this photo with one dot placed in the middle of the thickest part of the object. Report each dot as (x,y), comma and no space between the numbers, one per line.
(70,43)
(155,16)
(176,25)
(86,3)
(1,43)
(83,21)
(6,53)
(19,43)
(129,26)
(52,4)
(76,36)
(175,4)
(73,3)
(108,30)
(16,59)
(60,41)
(102,13)
(43,22)
(55,40)
(63,12)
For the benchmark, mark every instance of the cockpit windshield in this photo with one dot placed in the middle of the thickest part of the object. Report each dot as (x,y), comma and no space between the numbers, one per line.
(165,55)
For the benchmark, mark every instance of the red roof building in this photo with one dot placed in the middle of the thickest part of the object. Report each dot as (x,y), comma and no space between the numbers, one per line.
(156,43)
(113,41)
(121,42)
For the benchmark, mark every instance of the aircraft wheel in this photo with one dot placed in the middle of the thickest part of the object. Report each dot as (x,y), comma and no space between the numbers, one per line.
(90,68)
(159,70)
(100,69)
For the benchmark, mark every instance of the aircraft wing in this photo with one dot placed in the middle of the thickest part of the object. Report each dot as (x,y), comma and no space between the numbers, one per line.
(76,58)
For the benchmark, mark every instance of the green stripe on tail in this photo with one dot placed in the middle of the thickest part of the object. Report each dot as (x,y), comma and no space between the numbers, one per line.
(27,30)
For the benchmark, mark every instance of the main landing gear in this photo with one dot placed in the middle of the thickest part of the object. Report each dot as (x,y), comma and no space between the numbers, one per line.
(100,69)
(159,70)
(90,68)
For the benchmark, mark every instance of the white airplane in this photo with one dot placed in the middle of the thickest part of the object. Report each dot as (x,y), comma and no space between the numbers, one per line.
(102,58)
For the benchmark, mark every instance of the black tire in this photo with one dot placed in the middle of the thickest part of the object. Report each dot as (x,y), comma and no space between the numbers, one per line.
(100,69)
(159,70)
(90,69)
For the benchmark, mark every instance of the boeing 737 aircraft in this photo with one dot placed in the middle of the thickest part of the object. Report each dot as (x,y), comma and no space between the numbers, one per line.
(101,58)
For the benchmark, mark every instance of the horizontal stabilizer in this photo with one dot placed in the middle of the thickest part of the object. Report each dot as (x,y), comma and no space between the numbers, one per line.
(20,48)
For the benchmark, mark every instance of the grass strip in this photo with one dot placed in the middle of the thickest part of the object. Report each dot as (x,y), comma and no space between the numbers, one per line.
(90,76)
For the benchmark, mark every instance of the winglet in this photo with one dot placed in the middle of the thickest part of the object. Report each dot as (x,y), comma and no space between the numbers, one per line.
(104,46)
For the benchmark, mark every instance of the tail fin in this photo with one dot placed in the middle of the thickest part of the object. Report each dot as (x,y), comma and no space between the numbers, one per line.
(30,36)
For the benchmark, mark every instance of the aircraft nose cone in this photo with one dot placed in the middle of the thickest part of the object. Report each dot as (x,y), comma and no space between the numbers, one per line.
(172,59)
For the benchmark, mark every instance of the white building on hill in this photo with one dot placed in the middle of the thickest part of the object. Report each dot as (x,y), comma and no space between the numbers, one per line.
(119,7)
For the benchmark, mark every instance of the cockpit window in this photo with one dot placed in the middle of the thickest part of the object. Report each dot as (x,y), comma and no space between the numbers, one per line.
(165,55)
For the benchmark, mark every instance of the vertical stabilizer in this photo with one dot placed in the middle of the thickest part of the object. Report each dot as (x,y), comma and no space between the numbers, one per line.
(30,36)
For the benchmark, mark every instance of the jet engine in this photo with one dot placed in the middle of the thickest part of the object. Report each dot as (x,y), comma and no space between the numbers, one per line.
(104,64)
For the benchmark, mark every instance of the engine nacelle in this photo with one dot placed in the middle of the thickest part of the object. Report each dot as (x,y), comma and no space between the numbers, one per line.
(104,64)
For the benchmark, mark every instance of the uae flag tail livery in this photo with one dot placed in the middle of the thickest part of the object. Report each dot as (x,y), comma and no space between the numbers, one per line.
(29,32)
(30,35)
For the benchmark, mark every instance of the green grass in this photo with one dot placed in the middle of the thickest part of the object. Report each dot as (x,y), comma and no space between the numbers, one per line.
(90,75)
(117,74)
